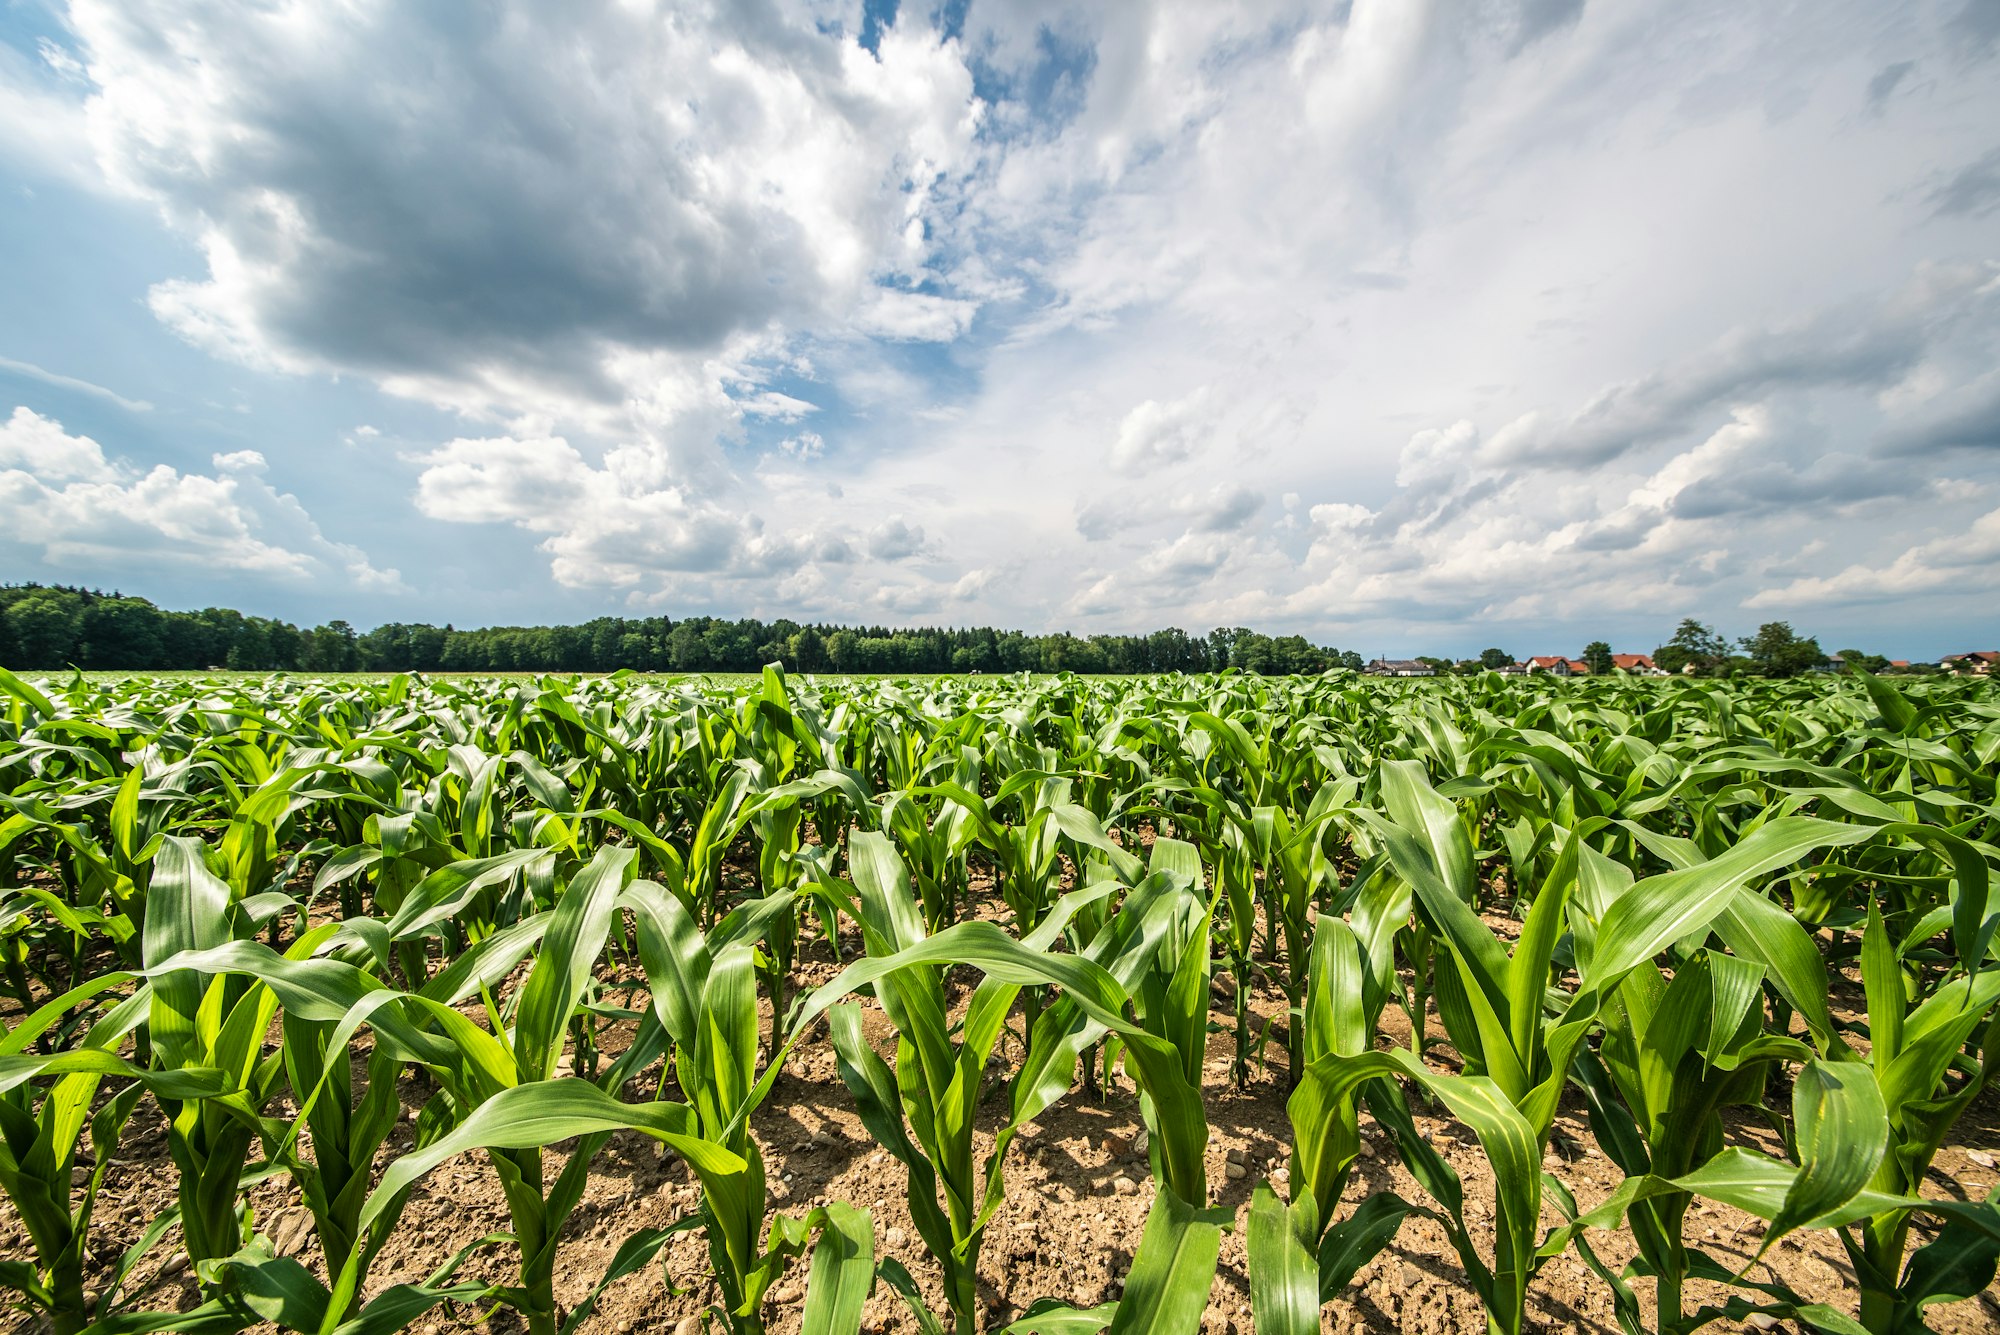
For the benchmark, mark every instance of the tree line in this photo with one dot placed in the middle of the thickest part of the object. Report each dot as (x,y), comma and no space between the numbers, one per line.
(45,627)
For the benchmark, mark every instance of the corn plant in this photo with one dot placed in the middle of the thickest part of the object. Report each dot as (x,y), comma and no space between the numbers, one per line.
(1300,1258)
(42,1139)
(938,1086)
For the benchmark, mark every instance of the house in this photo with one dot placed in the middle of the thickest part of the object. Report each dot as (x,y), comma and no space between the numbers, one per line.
(1978,663)
(1555,665)
(1512,670)
(1639,665)
(1400,667)
(1899,664)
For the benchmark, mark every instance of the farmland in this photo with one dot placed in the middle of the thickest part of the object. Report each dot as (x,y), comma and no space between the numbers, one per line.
(1159,1004)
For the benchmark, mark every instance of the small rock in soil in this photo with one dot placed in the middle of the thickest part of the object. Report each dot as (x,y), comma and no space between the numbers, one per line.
(1117,1146)
(688,1325)
(895,1237)
(1123,1185)
(1411,1276)
(1979,1157)
(1761,1321)
(785,1293)
(1141,1141)
(1235,1170)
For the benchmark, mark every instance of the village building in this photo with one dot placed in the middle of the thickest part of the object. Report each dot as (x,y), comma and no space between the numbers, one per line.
(1400,667)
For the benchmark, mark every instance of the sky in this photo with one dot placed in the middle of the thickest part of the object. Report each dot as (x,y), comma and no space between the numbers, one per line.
(1413,328)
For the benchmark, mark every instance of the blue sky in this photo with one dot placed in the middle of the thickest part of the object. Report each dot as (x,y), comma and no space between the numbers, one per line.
(1409,327)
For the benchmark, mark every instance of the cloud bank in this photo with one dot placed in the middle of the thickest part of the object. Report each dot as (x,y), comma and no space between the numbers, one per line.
(1378,319)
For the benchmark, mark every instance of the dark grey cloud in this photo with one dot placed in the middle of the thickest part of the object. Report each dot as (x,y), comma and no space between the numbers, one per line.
(1836,479)
(1101,519)
(1967,419)
(440,192)
(1228,510)
(1539,18)
(1886,81)
(1976,27)
(1620,533)
(1973,191)
(1862,344)
(895,539)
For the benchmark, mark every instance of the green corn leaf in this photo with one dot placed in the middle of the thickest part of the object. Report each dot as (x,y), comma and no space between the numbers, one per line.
(451,887)
(1284,1277)
(897,1276)
(1842,1130)
(1167,1290)
(1359,1239)
(1897,711)
(1882,979)
(531,1116)
(1958,1264)
(632,1256)
(1663,909)
(843,1270)
(1049,1317)
(570,949)
(27,694)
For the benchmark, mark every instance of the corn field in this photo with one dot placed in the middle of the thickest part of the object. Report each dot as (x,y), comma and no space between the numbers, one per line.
(356,945)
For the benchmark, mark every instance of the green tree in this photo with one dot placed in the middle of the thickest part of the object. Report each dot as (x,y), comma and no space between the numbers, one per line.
(250,651)
(121,633)
(1494,658)
(1692,643)
(808,651)
(1777,651)
(330,648)
(685,651)
(44,628)
(1597,657)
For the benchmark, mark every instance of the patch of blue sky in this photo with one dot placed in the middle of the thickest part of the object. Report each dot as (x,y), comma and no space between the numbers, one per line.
(1049,93)
(875,16)
(26,24)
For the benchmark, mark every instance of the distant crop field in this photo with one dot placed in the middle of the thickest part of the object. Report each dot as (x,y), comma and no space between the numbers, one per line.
(1049,1004)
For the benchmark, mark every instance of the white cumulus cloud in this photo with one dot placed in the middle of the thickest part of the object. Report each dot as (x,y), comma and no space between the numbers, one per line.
(83,513)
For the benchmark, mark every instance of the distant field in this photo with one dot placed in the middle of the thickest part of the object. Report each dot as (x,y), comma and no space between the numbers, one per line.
(230,674)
